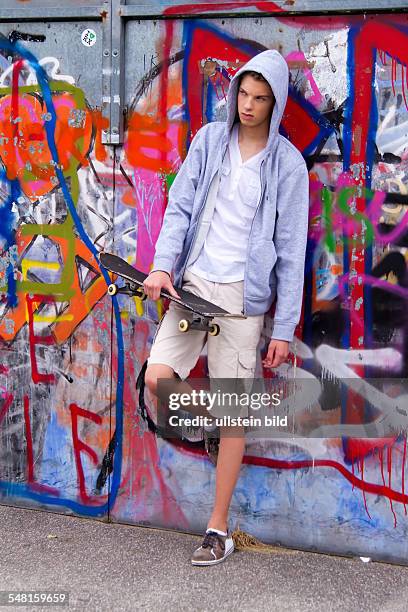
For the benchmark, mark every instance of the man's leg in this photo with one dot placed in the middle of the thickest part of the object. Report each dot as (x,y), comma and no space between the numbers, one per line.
(232,363)
(231,451)
(218,544)
(173,351)
(157,372)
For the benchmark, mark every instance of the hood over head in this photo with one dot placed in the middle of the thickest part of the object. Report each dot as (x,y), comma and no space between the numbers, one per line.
(274,69)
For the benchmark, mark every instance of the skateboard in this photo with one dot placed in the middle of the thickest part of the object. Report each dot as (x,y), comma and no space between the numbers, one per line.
(203,311)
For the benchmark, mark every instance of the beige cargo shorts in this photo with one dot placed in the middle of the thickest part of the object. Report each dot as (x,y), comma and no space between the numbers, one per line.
(230,355)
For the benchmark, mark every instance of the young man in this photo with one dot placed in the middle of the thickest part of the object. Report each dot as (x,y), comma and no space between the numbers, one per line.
(234,232)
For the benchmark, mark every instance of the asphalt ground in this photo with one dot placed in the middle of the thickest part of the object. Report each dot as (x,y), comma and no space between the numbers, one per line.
(107,566)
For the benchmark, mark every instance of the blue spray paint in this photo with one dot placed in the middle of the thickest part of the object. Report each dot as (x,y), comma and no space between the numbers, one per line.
(20,490)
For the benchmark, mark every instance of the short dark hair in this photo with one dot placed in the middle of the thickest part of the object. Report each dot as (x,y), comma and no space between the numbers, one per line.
(252,73)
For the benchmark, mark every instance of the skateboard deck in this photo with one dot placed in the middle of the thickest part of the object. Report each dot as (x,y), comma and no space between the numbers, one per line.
(203,309)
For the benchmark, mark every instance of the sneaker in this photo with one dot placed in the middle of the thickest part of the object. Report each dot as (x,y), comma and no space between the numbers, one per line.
(189,432)
(212,444)
(216,547)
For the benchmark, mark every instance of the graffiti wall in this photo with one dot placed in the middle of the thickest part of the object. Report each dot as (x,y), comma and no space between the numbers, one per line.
(78,430)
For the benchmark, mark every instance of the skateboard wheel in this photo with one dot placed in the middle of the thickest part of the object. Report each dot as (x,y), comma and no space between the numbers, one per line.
(141,294)
(112,289)
(214,329)
(184,325)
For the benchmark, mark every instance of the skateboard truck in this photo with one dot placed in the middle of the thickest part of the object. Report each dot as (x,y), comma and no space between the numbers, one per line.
(201,323)
(202,311)
(128,289)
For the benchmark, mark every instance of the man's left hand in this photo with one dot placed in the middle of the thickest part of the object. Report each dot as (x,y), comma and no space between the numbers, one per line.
(278,352)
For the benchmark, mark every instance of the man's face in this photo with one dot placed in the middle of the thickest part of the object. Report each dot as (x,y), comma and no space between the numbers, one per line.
(255,102)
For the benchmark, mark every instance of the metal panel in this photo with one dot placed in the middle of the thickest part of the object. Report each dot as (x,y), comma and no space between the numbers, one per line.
(48,11)
(117,75)
(51,41)
(55,324)
(40,5)
(325,495)
(180,8)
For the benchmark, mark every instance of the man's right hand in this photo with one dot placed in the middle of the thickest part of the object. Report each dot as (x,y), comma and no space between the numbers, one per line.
(155,282)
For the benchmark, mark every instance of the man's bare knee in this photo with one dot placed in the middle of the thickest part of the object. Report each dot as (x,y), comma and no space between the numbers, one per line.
(155,372)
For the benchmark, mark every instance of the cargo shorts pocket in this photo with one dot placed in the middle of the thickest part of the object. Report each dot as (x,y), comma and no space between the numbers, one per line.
(246,369)
(246,363)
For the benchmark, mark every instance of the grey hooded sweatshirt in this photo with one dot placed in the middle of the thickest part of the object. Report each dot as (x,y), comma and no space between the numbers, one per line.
(278,235)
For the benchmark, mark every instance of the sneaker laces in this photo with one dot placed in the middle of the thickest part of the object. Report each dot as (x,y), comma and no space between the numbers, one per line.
(210,539)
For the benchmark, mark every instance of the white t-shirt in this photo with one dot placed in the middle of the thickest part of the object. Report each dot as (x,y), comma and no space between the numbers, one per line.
(223,256)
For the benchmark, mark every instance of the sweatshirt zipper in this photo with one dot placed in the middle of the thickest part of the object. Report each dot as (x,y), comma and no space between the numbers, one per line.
(263,184)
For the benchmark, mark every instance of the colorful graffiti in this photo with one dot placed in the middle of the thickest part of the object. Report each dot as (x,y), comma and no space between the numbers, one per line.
(82,431)
(51,280)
